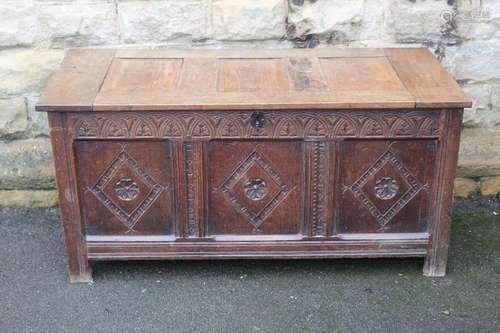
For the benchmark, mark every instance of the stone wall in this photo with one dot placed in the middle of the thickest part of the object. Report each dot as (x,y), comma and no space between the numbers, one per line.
(34,34)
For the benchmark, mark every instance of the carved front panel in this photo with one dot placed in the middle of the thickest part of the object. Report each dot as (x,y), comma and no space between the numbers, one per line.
(384,186)
(255,187)
(126,187)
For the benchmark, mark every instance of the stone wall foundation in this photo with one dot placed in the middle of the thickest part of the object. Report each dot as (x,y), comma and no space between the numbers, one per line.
(34,35)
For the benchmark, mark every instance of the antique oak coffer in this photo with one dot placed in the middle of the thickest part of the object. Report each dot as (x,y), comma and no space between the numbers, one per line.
(212,154)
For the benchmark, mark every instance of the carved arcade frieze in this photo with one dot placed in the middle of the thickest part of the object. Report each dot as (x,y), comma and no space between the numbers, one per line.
(238,124)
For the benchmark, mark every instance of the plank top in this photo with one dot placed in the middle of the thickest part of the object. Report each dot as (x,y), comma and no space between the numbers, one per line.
(327,78)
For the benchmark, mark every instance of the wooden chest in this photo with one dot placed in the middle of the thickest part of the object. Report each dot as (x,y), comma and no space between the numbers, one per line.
(211,154)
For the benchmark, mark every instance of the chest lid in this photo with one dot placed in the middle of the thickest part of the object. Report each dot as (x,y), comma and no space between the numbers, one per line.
(327,78)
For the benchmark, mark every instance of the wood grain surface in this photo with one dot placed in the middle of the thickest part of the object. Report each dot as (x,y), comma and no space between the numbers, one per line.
(142,80)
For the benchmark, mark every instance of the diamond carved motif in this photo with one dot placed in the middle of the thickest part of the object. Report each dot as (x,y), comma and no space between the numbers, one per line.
(386,188)
(268,192)
(126,189)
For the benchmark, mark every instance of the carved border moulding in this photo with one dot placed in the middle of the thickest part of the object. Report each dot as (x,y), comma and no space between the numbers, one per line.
(414,187)
(319,180)
(255,218)
(236,124)
(192,178)
(129,220)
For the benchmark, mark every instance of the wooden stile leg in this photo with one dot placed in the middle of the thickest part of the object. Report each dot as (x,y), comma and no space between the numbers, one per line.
(440,227)
(64,160)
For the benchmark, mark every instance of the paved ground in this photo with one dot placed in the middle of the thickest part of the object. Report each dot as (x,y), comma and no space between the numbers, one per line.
(385,295)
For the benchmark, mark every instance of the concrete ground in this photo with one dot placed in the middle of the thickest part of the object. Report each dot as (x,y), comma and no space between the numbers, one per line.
(379,295)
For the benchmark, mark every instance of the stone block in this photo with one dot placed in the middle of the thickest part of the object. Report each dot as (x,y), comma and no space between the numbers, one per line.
(13,117)
(26,165)
(334,19)
(485,109)
(26,70)
(476,61)
(77,24)
(18,23)
(478,19)
(465,187)
(372,22)
(249,19)
(490,186)
(415,20)
(38,121)
(479,153)
(163,21)
(495,103)
(28,199)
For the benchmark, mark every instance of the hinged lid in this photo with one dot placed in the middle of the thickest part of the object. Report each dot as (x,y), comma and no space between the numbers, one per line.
(327,78)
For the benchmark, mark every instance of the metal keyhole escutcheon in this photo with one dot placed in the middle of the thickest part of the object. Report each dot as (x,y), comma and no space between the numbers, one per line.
(257,120)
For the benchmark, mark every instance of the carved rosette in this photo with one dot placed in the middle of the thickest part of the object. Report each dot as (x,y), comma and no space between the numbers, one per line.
(126,189)
(255,189)
(386,188)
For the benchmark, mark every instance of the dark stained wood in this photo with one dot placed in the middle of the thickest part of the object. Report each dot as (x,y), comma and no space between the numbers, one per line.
(102,249)
(192,191)
(440,227)
(318,193)
(277,125)
(384,186)
(332,153)
(121,188)
(72,221)
(255,187)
